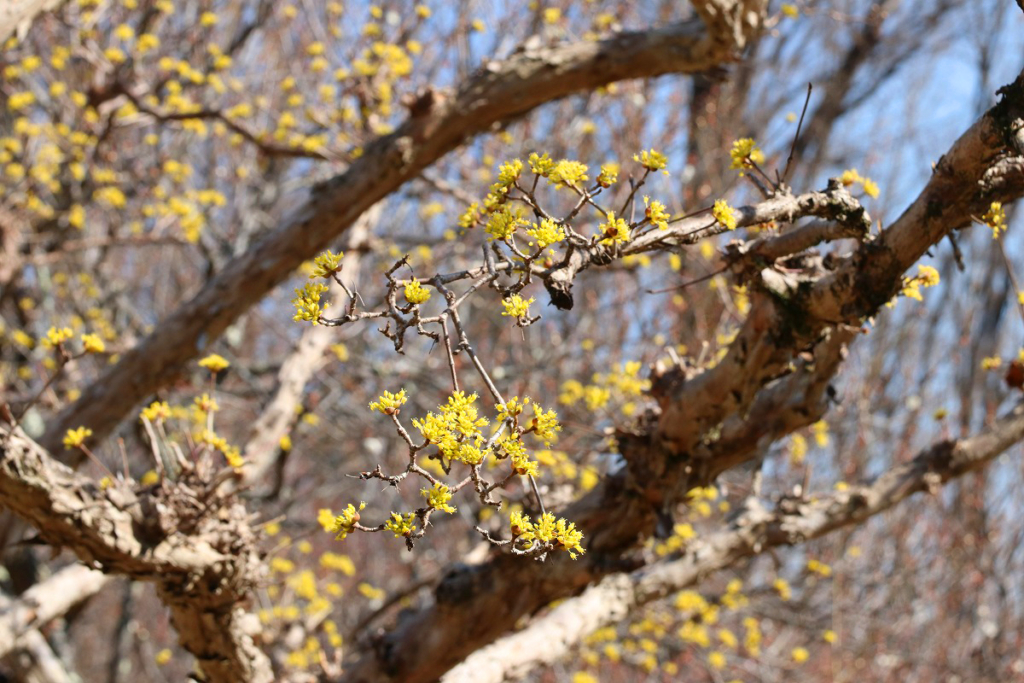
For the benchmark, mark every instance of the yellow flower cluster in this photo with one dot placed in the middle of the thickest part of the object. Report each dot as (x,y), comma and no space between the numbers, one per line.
(651,160)
(343,524)
(926,277)
(231,453)
(307,302)
(326,265)
(656,213)
(214,363)
(548,532)
(455,429)
(438,498)
(389,403)
(415,293)
(725,214)
(852,176)
(75,438)
(401,525)
(517,307)
(615,230)
(995,218)
(547,233)
(56,336)
(745,153)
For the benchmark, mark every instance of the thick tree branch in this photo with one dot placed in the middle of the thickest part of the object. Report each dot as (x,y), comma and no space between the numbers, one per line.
(196,546)
(439,122)
(673,453)
(44,602)
(16,15)
(756,531)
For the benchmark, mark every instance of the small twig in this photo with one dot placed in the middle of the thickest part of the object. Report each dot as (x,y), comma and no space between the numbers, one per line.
(792,149)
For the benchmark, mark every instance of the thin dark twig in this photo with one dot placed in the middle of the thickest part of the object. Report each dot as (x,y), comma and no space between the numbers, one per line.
(799,126)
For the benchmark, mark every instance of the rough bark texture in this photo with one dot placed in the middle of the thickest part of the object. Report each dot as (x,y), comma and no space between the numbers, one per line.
(197,547)
(683,444)
(757,530)
(499,91)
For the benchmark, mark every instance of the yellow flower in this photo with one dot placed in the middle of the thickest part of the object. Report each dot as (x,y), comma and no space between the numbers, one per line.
(75,438)
(93,344)
(745,153)
(307,302)
(517,307)
(569,173)
(800,654)
(438,497)
(163,656)
(725,214)
(389,403)
(656,213)
(343,524)
(547,233)
(609,175)
(995,218)
(157,410)
(615,230)
(57,336)
(651,160)
(401,525)
(207,19)
(326,264)
(790,10)
(415,293)
(214,363)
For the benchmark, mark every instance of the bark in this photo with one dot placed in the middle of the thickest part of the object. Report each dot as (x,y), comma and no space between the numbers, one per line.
(756,531)
(16,15)
(681,445)
(439,122)
(193,543)
(44,602)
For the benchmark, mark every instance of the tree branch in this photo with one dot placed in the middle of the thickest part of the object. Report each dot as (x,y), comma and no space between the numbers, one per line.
(196,546)
(756,531)
(438,123)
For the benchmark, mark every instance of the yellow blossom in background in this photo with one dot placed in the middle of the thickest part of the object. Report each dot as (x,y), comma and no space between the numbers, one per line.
(991,363)
(800,654)
(995,218)
(163,657)
(790,10)
(75,438)
(214,363)
(797,449)
(93,344)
